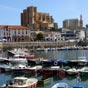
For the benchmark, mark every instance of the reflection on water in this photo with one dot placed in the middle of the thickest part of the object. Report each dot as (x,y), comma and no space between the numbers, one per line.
(71,80)
(64,55)
(4,78)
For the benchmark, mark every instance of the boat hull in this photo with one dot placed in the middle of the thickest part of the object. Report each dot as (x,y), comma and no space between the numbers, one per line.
(21,86)
(60,85)
(78,86)
(30,86)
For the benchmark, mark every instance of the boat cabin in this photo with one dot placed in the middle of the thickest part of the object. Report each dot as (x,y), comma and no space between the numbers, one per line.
(19,81)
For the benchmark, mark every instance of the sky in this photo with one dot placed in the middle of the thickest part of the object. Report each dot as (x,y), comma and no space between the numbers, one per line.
(60,10)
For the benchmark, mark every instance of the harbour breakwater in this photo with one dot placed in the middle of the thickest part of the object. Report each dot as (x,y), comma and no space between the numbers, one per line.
(4,45)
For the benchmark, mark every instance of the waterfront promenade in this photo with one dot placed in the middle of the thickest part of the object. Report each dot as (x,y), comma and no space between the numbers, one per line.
(34,44)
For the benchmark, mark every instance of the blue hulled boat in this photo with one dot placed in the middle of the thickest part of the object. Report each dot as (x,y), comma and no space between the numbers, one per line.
(77,86)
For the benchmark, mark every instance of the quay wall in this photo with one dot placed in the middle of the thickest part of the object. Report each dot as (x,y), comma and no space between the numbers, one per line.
(33,44)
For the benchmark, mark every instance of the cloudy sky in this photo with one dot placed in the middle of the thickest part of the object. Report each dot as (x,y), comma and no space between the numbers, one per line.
(60,10)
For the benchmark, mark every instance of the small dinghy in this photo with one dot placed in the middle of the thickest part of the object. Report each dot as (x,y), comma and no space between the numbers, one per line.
(60,85)
(78,85)
(21,82)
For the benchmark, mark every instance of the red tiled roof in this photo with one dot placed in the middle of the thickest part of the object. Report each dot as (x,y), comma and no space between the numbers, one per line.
(50,32)
(13,27)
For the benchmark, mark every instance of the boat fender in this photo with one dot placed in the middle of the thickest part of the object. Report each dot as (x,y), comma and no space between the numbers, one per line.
(61,74)
(55,63)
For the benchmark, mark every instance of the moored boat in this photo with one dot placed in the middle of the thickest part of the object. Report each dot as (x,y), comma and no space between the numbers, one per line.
(72,71)
(36,61)
(18,68)
(47,63)
(60,85)
(54,71)
(21,53)
(18,60)
(13,60)
(35,70)
(81,61)
(43,81)
(50,71)
(84,71)
(5,67)
(21,82)
(78,85)
(4,59)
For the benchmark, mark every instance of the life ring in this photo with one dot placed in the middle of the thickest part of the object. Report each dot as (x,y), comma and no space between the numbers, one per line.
(61,74)
(55,63)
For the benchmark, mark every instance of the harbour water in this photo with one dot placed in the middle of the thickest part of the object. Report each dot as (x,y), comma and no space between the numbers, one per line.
(61,55)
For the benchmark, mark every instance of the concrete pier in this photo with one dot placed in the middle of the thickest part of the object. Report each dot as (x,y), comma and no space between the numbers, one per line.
(34,44)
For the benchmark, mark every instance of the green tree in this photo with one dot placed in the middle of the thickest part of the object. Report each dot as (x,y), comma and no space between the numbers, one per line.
(53,29)
(39,36)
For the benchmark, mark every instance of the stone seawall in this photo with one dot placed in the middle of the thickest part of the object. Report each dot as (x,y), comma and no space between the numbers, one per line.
(33,44)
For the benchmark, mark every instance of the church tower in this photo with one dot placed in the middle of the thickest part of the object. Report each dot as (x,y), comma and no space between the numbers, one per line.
(81,21)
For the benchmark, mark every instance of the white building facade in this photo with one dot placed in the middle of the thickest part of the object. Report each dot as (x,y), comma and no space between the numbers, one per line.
(81,35)
(14,33)
(52,36)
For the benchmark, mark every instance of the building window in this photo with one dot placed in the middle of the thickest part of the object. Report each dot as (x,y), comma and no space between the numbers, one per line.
(18,31)
(6,29)
(26,31)
(39,18)
(43,19)
(22,32)
(15,32)
(4,33)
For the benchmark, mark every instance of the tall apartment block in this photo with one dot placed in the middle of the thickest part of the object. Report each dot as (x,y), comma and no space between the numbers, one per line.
(73,23)
(37,20)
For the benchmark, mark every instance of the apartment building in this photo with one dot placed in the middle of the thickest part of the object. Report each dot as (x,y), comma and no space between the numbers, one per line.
(52,36)
(14,33)
(37,20)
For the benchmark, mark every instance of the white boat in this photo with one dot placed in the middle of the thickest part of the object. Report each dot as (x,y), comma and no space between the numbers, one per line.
(5,67)
(18,60)
(22,53)
(16,50)
(21,82)
(3,59)
(19,68)
(38,67)
(72,71)
(84,71)
(14,60)
(81,61)
(55,67)
(34,69)
(60,85)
